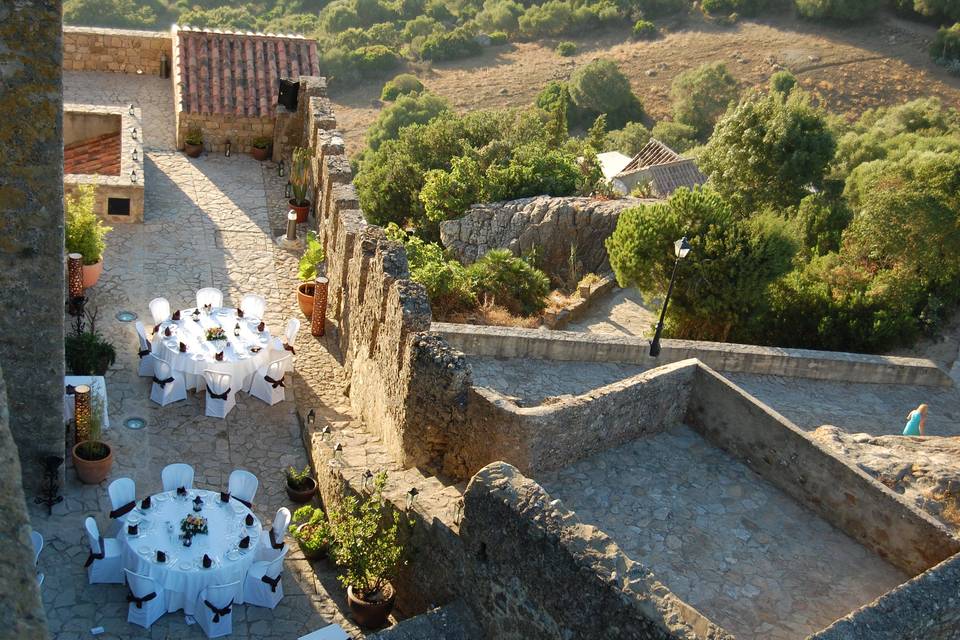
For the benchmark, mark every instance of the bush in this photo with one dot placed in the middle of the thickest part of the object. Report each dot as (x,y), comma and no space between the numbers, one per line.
(601,88)
(839,10)
(655,8)
(676,135)
(447,282)
(311,530)
(644,30)
(628,140)
(312,256)
(551,18)
(500,15)
(782,82)
(88,354)
(821,219)
(84,231)
(403,84)
(420,26)
(566,48)
(509,282)
(946,45)
(443,45)
(702,95)
(374,60)
(498,38)
(732,7)
(406,110)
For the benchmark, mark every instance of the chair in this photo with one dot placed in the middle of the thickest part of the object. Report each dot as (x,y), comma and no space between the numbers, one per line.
(176,475)
(262,586)
(123,497)
(160,310)
(214,609)
(242,485)
(37,541)
(146,364)
(168,385)
(104,564)
(293,328)
(253,306)
(221,397)
(209,296)
(267,383)
(147,599)
(271,540)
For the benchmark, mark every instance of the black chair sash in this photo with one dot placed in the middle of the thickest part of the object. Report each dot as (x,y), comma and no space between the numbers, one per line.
(218,396)
(156,328)
(218,612)
(162,383)
(95,556)
(70,390)
(143,352)
(273,582)
(123,510)
(139,601)
(273,540)
(246,503)
(289,347)
(275,383)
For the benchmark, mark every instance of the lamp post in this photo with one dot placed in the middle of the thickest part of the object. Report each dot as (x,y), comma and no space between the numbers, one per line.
(681,248)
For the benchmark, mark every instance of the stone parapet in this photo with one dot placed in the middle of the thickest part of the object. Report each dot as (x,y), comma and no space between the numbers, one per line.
(115,50)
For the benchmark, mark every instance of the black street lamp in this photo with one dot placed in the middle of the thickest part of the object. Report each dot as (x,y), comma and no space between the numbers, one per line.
(681,247)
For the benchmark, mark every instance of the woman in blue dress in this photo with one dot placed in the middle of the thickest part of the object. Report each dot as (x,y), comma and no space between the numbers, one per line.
(916,420)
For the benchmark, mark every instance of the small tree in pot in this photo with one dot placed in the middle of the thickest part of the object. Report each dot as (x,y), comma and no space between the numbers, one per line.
(86,352)
(312,532)
(300,486)
(307,273)
(85,233)
(300,182)
(193,141)
(260,148)
(92,458)
(368,550)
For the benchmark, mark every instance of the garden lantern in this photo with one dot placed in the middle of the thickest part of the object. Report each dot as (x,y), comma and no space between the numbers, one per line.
(681,248)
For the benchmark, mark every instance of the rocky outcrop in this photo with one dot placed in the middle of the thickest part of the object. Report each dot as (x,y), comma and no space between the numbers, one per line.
(551,225)
(923,470)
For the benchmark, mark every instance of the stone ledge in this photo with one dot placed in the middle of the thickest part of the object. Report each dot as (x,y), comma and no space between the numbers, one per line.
(127,33)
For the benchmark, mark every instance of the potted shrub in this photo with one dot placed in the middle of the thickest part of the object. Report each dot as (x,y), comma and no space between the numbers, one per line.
(312,532)
(300,486)
(193,142)
(92,458)
(260,148)
(307,273)
(368,550)
(85,232)
(88,354)
(300,182)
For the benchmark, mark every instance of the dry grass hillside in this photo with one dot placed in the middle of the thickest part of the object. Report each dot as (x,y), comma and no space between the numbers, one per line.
(852,69)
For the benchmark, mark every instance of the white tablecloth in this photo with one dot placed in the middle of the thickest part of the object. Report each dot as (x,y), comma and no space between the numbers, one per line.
(182,575)
(200,355)
(98,386)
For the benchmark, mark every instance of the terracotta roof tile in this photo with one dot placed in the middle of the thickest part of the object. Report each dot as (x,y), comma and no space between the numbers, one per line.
(100,155)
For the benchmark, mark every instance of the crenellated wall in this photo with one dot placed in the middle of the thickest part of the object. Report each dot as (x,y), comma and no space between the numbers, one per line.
(115,50)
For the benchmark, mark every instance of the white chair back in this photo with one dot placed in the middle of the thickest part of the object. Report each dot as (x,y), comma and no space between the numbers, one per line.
(275,369)
(293,328)
(161,369)
(37,541)
(275,567)
(122,492)
(93,534)
(160,310)
(177,475)
(253,306)
(142,335)
(243,485)
(211,296)
(141,585)
(217,381)
(280,523)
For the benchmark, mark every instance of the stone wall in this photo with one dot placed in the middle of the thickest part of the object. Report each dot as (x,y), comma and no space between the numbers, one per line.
(115,50)
(219,128)
(548,225)
(508,342)
(32,282)
(791,460)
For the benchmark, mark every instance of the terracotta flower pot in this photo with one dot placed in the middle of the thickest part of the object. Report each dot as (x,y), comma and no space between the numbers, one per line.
(91,273)
(260,154)
(302,211)
(315,554)
(300,496)
(371,615)
(92,471)
(305,298)
(193,150)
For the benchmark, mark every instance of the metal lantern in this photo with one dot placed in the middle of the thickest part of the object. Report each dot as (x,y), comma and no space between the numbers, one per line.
(325,432)
(130,110)
(366,483)
(75,274)
(412,497)
(82,412)
(133,133)
(133,176)
(288,190)
(311,416)
(226,149)
(338,454)
(280,169)
(319,306)
(136,156)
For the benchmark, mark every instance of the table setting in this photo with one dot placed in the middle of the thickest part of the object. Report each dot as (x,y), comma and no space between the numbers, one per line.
(189,539)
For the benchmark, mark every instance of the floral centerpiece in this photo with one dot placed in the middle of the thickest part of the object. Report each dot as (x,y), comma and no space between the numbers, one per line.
(193,525)
(217,334)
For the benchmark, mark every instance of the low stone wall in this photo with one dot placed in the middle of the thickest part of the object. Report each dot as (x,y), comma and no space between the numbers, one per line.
(508,342)
(789,459)
(219,128)
(115,50)
(579,306)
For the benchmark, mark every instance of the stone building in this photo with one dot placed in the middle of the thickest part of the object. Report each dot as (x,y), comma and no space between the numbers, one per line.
(656,165)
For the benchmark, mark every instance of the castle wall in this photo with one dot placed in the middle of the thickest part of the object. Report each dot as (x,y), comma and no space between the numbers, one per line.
(115,50)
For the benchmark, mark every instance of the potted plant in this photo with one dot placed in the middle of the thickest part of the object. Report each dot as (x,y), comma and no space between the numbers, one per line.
(312,532)
(85,233)
(307,273)
(92,458)
(260,148)
(86,352)
(193,142)
(300,182)
(368,550)
(300,486)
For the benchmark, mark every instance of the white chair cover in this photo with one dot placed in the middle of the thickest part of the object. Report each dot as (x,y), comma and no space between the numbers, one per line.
(242,485)
(168,385)
(219,384)
(146,364)
(262,586)
(272,540)
(268,383)
(104,563)
(329,632)
(211,296)
(220,598)
(147,600)
(293,328)
(253,306)
(123,497)
(37,541)
(176,475)
(160,310)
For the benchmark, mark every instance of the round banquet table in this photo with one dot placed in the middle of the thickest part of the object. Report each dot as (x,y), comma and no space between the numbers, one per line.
(238,358)
(182,574)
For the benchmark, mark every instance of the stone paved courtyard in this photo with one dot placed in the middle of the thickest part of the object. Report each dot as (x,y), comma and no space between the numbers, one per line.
(207,223)
(737,549)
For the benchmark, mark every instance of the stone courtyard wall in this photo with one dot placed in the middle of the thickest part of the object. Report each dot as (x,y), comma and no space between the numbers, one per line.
(115,50)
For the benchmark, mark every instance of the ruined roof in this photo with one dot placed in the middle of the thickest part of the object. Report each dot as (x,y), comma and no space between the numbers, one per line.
(667,178)
(612,163)
(237,73)
(99,155)
(652,153)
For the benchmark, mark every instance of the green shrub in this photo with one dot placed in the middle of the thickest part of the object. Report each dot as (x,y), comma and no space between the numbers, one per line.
(628,140)
(946,44)
(510,282)
(403,84)
(84,231)
(420,26)
(88,354)
(551,18)
(821,219)
(782,82)
(406,110)
(655,8)
(443,45)
(309,527)
(729,7)
(839,10)
(644,30)
(566,48)
(702,95)
(601,88)
(499,15)
(374,60)
(312,256)
(498,38)
(676,135)
(447,282)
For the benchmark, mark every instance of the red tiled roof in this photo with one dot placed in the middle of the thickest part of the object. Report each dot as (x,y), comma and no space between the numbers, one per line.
(238,73)
(100,155)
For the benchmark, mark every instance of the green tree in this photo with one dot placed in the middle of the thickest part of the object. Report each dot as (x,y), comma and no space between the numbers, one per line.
(701,95)
(678,136)
(628,140)
(407,110)
(840,10)
(601,88)
(782,82)
(401,85)
(447,194)
(597,133)
(113,13)
(557,127)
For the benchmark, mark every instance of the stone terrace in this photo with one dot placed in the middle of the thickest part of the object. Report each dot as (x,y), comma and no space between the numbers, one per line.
(744,554)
